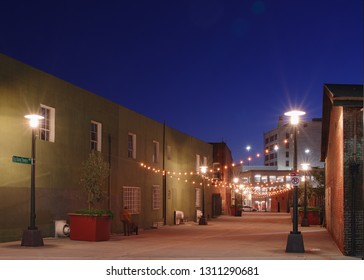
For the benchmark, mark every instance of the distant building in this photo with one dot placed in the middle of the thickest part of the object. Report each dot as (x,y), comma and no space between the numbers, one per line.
(222,177)
(154,169)
(266,188)
(342,152)
(278,145)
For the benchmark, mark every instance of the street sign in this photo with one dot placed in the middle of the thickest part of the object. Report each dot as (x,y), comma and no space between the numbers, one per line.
(23,160)
(295,180)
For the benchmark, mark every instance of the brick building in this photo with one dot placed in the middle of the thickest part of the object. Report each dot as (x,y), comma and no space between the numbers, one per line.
(342,152)
(222,176)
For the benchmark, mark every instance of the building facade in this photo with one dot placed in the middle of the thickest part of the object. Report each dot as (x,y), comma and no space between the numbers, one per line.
(278,145)
(266,188)
(222,175)
(153,168)
(342,152)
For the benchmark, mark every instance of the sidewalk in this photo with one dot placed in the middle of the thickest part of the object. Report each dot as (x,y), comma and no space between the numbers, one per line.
(254,236)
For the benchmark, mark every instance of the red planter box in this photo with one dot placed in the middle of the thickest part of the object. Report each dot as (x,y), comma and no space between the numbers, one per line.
(89,227)
(312,216)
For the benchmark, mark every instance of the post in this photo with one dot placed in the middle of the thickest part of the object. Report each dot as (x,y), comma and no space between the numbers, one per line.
(203,219)
(305,222)
(32,185)
(295,196)
(32,236)
(295,239)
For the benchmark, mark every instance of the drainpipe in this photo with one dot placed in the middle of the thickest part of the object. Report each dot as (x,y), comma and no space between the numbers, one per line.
(164,177)
(109,182)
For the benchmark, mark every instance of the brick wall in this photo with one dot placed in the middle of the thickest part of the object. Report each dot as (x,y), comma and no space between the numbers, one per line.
(280,202)
(334,178)
(353,181)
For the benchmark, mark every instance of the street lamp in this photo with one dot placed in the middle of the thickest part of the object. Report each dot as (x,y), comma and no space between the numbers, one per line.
(304,222)
(203,220)
(295,239)
(32,236)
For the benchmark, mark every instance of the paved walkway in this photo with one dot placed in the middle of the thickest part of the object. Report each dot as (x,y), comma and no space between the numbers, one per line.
(254,236)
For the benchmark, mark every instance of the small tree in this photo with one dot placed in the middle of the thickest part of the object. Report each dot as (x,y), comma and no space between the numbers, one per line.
(94,173)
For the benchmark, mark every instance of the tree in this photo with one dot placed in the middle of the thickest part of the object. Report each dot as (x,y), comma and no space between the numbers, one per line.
(94,174)
(315,186)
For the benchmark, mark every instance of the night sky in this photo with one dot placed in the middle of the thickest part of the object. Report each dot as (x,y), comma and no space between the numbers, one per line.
(217,70)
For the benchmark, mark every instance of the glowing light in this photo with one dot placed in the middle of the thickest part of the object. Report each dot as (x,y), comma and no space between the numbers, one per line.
(305,166)
(203,169)
(34,120)
(295,116)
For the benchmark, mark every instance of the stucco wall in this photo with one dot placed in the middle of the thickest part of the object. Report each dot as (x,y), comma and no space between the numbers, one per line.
(22,90)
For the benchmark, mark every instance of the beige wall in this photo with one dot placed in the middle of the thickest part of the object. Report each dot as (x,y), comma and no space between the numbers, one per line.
(22,90)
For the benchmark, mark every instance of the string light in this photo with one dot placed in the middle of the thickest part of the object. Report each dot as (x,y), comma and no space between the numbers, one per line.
(267,189)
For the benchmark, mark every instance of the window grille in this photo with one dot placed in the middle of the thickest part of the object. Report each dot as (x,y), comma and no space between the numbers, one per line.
(131,199)
(156,197)
(47,125)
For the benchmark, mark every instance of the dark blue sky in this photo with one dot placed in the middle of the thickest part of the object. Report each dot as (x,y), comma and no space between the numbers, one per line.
(217,70)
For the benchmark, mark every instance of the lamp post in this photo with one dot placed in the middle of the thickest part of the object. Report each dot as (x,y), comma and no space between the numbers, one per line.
(305,222)
(32,236)
(203,220)
(248,148)
(235,181)
(295,239)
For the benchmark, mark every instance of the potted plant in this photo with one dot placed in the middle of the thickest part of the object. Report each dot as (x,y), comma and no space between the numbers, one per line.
(92,224)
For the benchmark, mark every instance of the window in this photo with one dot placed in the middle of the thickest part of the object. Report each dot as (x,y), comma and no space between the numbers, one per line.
(155,158)
(287,154)
(132,146)
(131,199)
(280,179)
(169,152)
(198,197)
(287,163)
(204,163)
(95,136)
(216,167)
(47,125)
(156,197)
(198,163)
